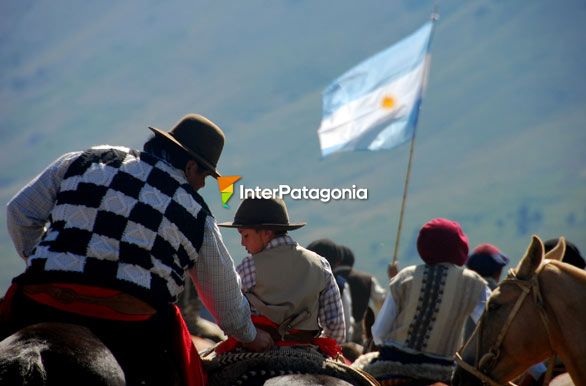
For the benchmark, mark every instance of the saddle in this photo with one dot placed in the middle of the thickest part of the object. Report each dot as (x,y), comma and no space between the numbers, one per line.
(239,367)
(284,336)
(397,373)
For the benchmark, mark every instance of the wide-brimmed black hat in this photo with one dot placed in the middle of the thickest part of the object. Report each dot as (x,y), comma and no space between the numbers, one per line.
(199,137)
(265,213)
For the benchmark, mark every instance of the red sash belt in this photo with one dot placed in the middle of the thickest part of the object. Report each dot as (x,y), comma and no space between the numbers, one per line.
(327,346)
(86,300)
(6,305)
(193,371)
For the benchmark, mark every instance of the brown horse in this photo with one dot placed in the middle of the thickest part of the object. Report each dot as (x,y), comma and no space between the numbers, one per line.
(536,312)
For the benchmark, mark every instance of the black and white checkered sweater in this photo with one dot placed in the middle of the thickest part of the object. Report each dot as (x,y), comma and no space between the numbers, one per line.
(122,219)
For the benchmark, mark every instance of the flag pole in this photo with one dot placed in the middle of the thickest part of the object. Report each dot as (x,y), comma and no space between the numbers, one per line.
(404,200)
(434,17)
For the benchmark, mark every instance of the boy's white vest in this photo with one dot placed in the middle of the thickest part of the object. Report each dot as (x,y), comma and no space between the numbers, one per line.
(289,280)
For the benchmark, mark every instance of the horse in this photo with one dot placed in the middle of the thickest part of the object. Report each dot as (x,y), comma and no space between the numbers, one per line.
(51,354)
(536,312)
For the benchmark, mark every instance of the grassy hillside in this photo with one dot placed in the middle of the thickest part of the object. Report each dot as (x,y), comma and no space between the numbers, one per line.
(500,145)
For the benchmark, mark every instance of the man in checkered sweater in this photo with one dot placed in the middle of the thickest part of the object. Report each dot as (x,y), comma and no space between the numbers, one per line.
(108,235)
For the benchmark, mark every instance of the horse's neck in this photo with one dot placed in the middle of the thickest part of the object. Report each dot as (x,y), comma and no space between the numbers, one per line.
(564,292)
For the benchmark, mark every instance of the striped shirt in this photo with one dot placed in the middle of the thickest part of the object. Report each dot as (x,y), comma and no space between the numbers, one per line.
(331,312)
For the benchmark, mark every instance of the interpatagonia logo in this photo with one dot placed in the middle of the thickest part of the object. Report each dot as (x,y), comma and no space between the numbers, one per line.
(226,186)
(305,193)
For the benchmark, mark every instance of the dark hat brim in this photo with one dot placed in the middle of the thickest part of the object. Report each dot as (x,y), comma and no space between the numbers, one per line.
(198,157)
(276,227)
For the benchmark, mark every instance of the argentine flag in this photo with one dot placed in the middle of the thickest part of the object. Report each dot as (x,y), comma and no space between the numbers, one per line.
(375,105)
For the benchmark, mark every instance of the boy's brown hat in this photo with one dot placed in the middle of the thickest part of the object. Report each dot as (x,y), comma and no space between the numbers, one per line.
(262,213)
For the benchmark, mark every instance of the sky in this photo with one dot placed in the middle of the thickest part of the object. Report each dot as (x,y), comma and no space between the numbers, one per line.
(499,143)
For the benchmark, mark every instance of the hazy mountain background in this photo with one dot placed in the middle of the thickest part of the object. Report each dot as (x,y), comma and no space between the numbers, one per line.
(500,143)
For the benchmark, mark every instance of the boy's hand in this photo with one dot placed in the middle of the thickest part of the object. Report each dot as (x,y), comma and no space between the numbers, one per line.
(262,342)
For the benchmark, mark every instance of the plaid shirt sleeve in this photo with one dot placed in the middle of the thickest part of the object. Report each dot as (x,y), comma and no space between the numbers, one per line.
(218,285)
(28,211)
(331,310)
(247,272)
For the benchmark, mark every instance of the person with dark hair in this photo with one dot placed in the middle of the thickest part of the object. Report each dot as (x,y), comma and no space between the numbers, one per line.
(331,252)
(572,254)
(422,320)
(108,235)
(291,290)
(364,289)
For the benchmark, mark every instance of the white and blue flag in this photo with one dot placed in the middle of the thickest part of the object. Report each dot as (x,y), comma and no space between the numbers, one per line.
(375,105)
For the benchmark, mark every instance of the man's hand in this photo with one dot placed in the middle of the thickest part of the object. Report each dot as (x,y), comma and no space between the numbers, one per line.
(262,342)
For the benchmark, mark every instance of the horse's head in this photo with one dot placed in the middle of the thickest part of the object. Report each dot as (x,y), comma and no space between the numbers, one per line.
(512,333)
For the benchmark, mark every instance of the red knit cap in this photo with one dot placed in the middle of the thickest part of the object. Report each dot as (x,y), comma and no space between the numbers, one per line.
(486,248)
(442,241)
(492,251)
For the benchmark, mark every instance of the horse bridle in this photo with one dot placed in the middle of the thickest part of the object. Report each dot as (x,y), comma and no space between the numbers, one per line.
(489,360)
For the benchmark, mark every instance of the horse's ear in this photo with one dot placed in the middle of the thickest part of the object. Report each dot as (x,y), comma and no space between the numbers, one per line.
(532,259)
(558,252)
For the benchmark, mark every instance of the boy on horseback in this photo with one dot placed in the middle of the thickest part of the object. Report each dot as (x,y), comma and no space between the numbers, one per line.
(422,319)
(108,235)
(292,291)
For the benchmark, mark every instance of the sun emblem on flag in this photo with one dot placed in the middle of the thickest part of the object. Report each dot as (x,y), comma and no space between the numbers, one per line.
(388,102)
